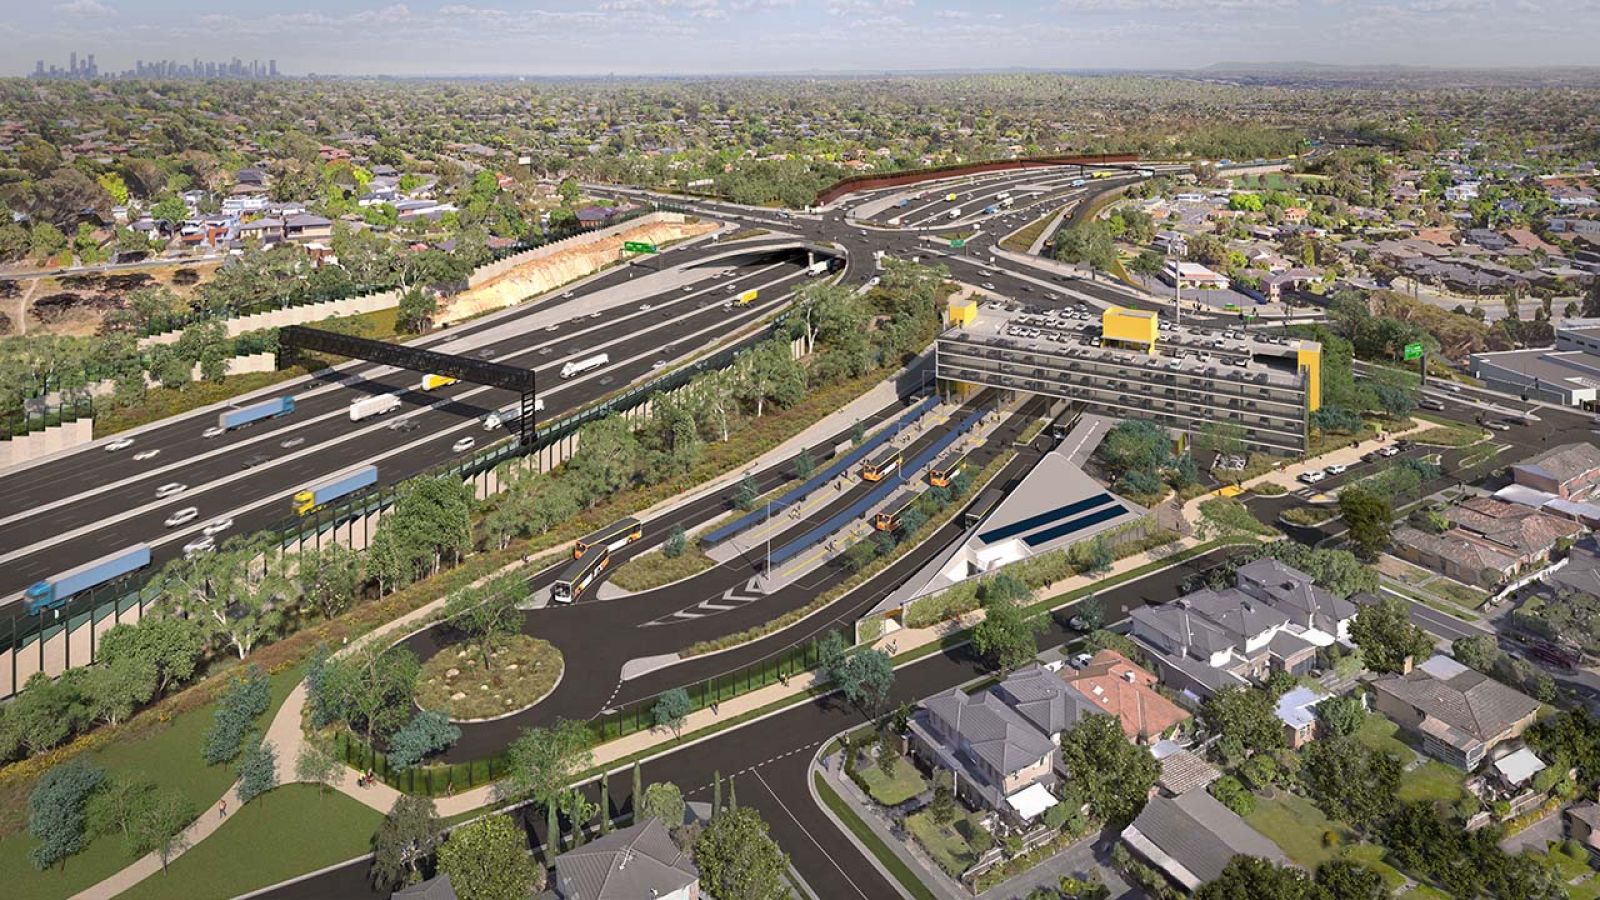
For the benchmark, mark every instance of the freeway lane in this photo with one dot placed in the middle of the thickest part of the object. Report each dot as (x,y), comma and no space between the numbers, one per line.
(769,759)
(135,516)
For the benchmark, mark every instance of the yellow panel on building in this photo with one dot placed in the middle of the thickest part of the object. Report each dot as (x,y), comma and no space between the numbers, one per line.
(963,312)
(1310,360)
(1133,326)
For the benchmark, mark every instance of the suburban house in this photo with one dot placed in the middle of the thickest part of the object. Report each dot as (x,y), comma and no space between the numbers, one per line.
(1460,714)
(1117,687)
(1002,760)
(1489,542)
(1192,275)
(1583,825)
(435,888)
(1191,838)
(1581,574)
(638,861)
(1570,471)
(1297,710)
(1273,620)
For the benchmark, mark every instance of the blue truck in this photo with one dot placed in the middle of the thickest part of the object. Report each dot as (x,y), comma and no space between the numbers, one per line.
(334,488)
(990,210)
(244,415)
(55,591)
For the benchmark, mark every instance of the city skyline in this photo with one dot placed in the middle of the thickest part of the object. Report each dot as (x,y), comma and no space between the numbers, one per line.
(694,37)
(157,68)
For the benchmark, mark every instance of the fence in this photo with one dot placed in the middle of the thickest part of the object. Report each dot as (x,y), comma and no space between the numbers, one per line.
(37,414)
(29,644)
(630,719)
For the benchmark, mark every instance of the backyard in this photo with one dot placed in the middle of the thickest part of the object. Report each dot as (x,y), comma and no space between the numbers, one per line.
(945,843)
(904,783)
(1298,827)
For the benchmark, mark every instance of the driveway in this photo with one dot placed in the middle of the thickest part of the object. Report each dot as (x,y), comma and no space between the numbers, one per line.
(1090,856)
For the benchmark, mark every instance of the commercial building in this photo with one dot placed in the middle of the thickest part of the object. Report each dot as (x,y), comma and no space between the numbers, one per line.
(1567,373)
(1129,364)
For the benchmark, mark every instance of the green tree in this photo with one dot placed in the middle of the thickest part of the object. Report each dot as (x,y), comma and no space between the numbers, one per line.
(488,859)
(408,836)
(744,497)
(485,616)
(162,825)
(116,690)
(805,464)
(1088,244)
(543,762)
(1232,793)
(173,645)
(663,800)
(117,805)
(864,676)
(568,191)
(56,811)
(1342,715)
(170,208)
(671,709)
(1245,716)
(1384,632)
(738,860)
(258,771)
(417,308)
(428,732)
(1148,263)
(676,543)
(329,578)
(1346,879)
(369,689)
(1332,765)
(1115,775)
(1251,877)
(607,459)
(1006,636)
(317,766)
(1368,516)
(246,699)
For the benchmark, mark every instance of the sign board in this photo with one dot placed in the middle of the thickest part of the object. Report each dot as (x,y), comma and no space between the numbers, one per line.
(524,160)
(957,243)
(1413,351)
(638,247)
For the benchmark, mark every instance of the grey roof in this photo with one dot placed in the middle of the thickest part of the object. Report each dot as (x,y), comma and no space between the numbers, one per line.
(1565,462)
(436,888)
(307,220)
(992,730)
(1295,594)
(1241,615)
(1183,771)
(1201,834)
(1181,627)
(1041,697)
(638,861)
(1467,702)
(1581,574)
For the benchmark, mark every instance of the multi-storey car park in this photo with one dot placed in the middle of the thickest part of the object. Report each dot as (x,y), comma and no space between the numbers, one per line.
(1131,364)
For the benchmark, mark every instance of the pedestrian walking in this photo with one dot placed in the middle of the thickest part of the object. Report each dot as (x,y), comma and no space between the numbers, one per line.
(222,809)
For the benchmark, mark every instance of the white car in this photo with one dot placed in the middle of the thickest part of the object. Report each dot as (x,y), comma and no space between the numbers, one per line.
(1313,476)
(214,431)
(183,516)
(119,444)
(1337,469)
(202,544)
(291,443)
(218,526)
(1081,660)
(143,455)
(170,489)
(658,364)
(645,307)
(464,444)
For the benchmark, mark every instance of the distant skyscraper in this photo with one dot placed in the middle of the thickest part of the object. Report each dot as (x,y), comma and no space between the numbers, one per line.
(272,68)
(72,65)
(38,67)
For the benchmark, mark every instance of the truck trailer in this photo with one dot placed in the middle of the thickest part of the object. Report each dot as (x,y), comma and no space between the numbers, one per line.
(373,406)
(266,409)
(338,486)
(53,592)
(431,381)
(955,213)
(819,267)
(579,366)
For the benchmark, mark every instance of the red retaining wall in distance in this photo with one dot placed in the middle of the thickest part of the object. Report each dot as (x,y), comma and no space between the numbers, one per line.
(911,176)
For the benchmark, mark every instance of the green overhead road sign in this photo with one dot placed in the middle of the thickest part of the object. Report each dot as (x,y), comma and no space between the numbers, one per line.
(957,243)
(638,247)
(1413,351)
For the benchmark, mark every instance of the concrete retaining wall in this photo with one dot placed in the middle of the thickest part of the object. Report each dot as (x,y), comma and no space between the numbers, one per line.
(39,443)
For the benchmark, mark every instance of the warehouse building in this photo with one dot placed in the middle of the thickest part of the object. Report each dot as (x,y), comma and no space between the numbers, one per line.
(1132,365)
(1568,373)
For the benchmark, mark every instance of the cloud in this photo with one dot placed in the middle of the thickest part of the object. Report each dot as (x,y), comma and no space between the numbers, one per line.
(85,9)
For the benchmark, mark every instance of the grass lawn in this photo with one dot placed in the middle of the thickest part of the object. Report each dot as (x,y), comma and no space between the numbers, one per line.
(1451,435)
(525,669)
(946,845)
(869,838)
(1457,593)
(654,569)
(1433,780)
(1296,825)
(1231,515)
(170,758)
(279,835)
(1424,892)
(1021,240)
(1371,855)
(1379,733)
(892,790)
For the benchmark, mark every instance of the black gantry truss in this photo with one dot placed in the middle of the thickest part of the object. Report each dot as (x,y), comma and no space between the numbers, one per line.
(466,368)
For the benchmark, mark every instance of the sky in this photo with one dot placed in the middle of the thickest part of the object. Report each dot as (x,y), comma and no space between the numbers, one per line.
(690,37)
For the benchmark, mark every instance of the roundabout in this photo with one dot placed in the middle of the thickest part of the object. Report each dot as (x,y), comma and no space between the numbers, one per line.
(519,673)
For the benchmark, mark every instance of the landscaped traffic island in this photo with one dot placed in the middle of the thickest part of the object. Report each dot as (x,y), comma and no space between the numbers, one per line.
(520,671)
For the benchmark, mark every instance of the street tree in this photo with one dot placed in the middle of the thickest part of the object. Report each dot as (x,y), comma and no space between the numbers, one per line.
(1384,632)
(1115,775)
(162,827)
(739,860)
(865,676)
(663,800)
(406,839)
(488,859)
(672,707)
(1006,636)
(1368,517)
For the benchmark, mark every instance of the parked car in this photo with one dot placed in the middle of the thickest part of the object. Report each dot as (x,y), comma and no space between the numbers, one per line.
(1313,476)
(1080,660)
(1337,469)
(1078,623)
(1388,451)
